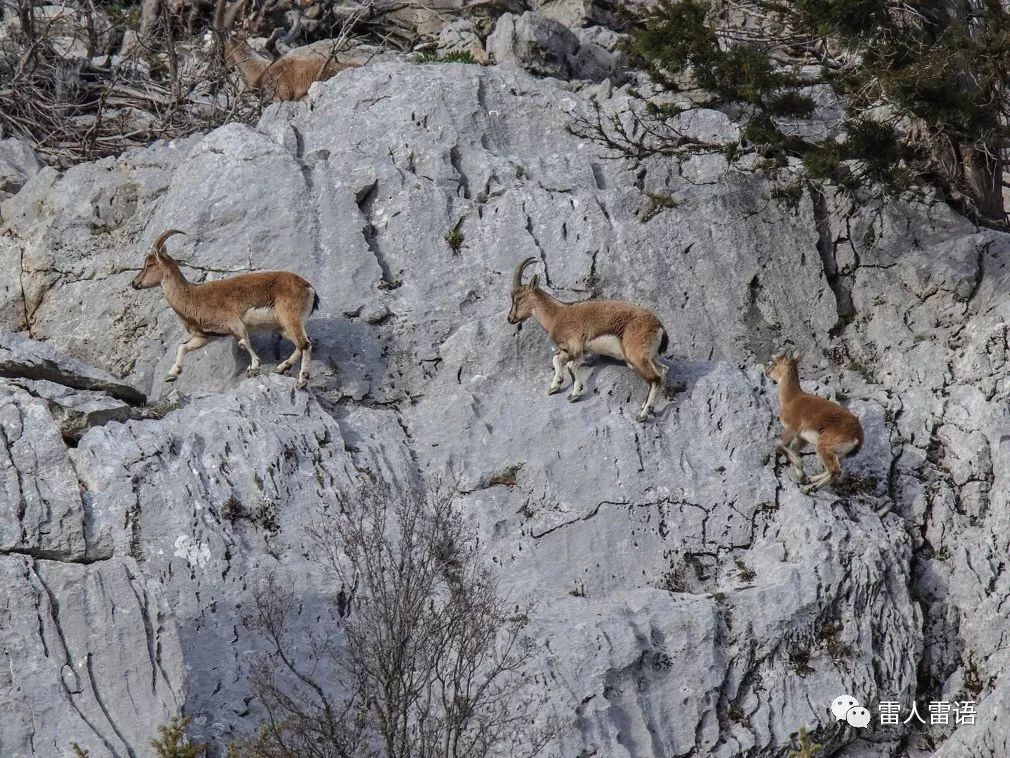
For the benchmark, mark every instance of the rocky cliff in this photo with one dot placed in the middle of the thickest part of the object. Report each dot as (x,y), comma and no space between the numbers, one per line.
(690,600)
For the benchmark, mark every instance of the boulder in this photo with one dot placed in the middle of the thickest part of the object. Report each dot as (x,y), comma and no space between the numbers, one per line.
(544,46)
(461,37)
(18,163)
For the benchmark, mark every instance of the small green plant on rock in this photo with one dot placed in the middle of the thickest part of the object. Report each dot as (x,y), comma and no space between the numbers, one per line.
(860,368)
(737,716)
(852,484)
(657,204)
(831,635)
(454,237)
(460,56)
(158,410)
(172,741)
(789,193)
(799,659)
(972,683)
(806,749)
(266,517)
(232,510)
(671,582)
(746,573)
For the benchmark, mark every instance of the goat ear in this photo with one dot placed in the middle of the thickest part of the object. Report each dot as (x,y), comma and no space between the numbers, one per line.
(777,357)
(797,356)
(534,282)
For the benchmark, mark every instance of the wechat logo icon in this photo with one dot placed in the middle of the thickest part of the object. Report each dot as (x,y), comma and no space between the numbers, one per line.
(847,708)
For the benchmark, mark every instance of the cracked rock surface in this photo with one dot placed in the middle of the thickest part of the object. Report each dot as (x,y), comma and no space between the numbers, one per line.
(690,600)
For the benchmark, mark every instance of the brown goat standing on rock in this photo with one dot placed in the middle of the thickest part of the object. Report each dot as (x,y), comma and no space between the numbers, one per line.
(274,301)
(287,78)
(834,431)
(612,328)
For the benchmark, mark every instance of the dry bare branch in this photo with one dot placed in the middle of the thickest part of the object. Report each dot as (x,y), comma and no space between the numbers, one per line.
(431,655)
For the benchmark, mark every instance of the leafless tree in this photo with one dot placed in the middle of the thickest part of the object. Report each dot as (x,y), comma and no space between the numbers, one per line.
(432,655)
(65,94)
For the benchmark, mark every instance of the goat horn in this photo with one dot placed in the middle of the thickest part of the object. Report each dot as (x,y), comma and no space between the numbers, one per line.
(517,277)
(159,244)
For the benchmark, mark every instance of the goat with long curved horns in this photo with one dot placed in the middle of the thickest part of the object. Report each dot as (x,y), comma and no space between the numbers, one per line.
(612,328)
(273,301)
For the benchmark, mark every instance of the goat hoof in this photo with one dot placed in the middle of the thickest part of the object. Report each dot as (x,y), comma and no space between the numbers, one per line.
(252,371)
(281,369)
(573,398)
(800,477)
(301,383)
(171,377)
(642,415)
(552,390)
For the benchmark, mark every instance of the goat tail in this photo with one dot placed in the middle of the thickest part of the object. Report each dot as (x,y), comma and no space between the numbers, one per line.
(315,301)
(664,343)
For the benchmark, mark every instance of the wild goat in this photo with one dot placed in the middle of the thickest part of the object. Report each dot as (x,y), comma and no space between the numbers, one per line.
(612,328)
(275,301)
(287,78)
(833,430)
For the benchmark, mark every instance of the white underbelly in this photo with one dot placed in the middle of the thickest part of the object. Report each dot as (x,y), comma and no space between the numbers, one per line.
(810,436)
(260,319)
(607,345)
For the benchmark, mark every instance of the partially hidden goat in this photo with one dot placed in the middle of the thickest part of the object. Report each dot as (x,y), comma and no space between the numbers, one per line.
(273,301)
(612,328)
(287,78)
(834,431)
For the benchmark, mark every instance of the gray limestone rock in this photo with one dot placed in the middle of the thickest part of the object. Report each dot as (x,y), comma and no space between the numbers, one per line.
(18,163)
(690,598)
(545,46)
(461,37)
(91,656)
(76,411)
(24,358)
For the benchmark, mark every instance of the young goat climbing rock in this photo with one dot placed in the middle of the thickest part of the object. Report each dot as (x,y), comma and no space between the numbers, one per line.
(833,430)
(274,301)
(612,328)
